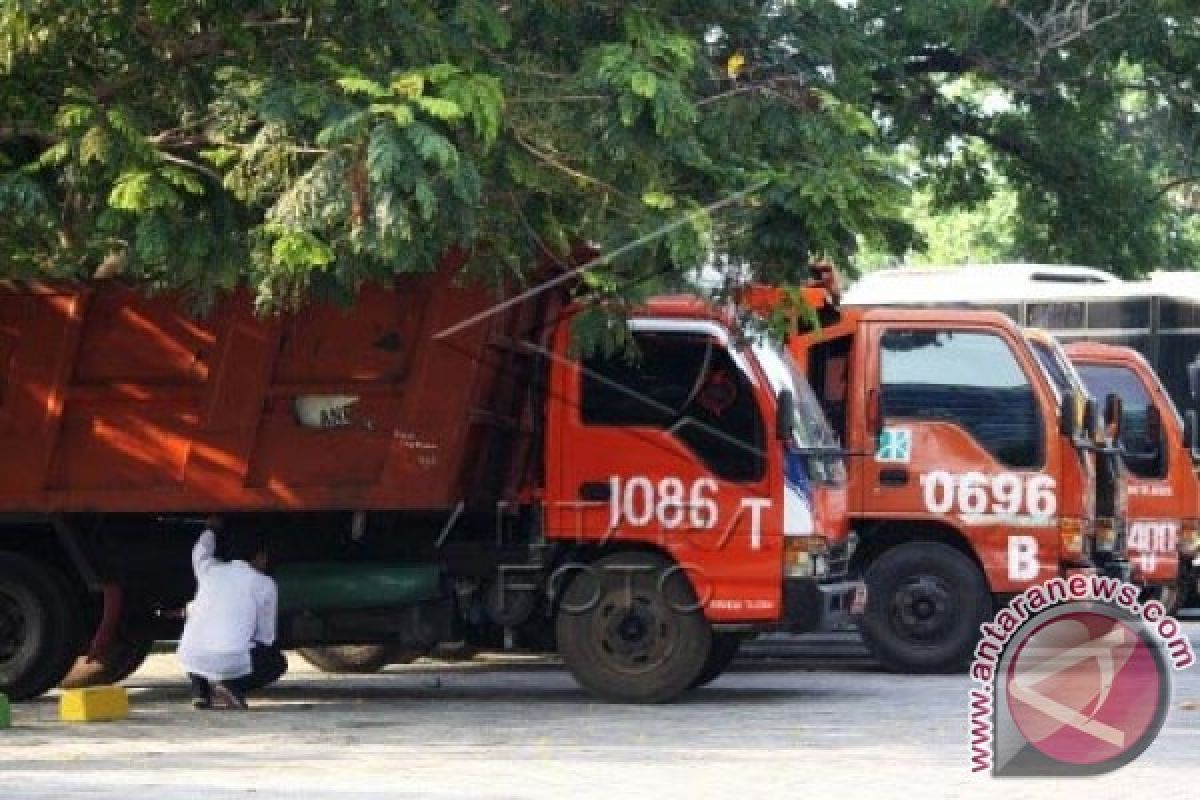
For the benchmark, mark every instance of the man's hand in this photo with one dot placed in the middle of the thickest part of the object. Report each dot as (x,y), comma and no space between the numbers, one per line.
(214,523)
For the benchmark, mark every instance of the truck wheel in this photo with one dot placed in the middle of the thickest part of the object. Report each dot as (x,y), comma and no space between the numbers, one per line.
(124,657)
(39,627)
(925,603)
(357,659)
(630,630)
(724,650)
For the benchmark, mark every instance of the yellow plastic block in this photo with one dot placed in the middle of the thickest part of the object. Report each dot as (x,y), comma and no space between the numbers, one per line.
(94,704)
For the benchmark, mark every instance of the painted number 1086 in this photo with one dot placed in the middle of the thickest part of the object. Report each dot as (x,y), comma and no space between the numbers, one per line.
(638,501)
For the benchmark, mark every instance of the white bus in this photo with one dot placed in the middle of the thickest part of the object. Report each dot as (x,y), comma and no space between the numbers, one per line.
(1159,317)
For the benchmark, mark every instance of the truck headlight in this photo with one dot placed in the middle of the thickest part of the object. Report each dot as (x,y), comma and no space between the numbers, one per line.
(1189,537)
(1071,537)
(1106,536)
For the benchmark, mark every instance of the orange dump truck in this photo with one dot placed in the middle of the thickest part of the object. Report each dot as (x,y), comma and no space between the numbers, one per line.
(972,477)
(431,465)
(1158,447)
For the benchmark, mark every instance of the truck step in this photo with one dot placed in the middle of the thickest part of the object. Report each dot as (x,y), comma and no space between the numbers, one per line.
(94,704)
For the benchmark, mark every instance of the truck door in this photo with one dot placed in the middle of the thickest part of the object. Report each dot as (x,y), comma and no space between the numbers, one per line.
(667,445)
(1150,436)
(964,442)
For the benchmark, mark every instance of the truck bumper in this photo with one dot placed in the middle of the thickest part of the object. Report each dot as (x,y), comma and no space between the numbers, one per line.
(809,605)
(1119,568)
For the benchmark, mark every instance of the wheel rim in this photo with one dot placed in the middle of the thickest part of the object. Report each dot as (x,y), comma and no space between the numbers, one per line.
(922,609)
(13,628)
(634,636)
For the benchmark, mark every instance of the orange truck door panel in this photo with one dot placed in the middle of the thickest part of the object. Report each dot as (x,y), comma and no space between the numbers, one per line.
(670,447)
(964,437)
(1162,485)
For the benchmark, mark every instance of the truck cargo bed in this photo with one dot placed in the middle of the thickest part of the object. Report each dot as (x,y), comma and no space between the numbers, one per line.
(114,401)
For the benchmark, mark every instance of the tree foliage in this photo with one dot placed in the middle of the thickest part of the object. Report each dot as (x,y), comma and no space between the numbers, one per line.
(301,145)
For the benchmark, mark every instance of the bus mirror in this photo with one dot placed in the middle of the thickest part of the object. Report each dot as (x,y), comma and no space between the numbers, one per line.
(1068,415)
(1112,416)
(785,415)
(1193,373)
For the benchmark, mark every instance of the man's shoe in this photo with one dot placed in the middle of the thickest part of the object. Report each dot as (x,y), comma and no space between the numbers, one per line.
(227,698)
(201,704)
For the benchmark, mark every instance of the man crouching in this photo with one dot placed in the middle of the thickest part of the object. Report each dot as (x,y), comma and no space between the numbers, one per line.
(228,644)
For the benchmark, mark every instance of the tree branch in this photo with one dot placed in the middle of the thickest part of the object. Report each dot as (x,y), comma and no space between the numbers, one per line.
(560,166)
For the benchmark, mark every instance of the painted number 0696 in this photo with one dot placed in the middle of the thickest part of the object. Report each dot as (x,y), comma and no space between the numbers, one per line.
(976,493)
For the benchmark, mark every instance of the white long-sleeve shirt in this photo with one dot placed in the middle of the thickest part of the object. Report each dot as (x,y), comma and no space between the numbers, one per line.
(235,607)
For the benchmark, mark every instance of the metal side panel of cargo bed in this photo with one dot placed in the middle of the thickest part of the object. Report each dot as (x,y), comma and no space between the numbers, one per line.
(114,401)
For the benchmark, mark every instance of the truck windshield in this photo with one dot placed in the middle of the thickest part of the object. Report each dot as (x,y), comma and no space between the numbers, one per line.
(811,429)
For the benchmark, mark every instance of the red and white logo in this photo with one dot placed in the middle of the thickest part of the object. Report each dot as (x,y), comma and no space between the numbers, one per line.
(1073,677)
(1083,688)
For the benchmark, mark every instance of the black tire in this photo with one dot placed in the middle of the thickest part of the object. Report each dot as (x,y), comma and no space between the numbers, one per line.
(355,659)
(124,657)
(925,603)
(630,630)
(39,627)
(724,650)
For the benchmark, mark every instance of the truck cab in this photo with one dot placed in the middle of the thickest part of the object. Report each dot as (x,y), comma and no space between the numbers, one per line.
(1157,454)
(966,482)
(1099,471)
(705,443)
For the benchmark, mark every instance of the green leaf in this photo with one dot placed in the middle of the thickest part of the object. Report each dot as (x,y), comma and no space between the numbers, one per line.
(299,250)
(440,108)
(432,146)
(409,85)
(74,116)
(386,154)
(55,155)
(401,113)
(482,98)
(139,191)
(184,179)
(426,200)
(95,146)
(659,200)
(439,73)
(644,84)
(152,239)
(348,128)
(364,86)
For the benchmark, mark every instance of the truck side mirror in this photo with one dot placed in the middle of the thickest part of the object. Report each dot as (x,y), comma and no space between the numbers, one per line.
(1091,420)
(1068,415)
(1189,433)
(785,415)
(1193,373)
(1113,409)
(1154,430)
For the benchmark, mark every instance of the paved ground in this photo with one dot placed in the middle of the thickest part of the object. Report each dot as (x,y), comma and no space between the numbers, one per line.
(824,722)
